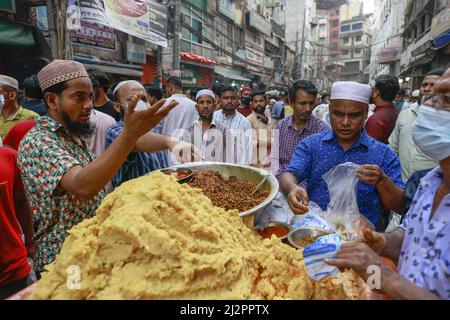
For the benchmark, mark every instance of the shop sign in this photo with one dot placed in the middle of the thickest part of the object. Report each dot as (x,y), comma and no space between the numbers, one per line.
(146,19)
(441,23)
(136,52)
(38,17)
(95,35)
(189,75)
(255,57)
(227,8)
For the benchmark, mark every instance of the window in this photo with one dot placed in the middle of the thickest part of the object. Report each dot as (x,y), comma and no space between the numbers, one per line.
(358,39)
(357,26)
(346,40)
(335,35)
(196,27)
(322,40)
(335,23)
(345,28)
(345,52)
(357,51)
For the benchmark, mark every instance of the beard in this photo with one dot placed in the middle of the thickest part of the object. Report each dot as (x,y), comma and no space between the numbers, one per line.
(206,117)
(81,130)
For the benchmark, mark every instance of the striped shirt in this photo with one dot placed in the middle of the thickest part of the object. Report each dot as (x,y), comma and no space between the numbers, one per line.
(239,131)
(137,163)
(286,139)
(178,119)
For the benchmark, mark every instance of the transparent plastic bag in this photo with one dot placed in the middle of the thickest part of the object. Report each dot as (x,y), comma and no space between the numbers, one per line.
(343,213)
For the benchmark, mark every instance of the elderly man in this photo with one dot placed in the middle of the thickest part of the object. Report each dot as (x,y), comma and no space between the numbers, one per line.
(401,140)
(10,111)
(421,245)
(63,180)
(379,171)
(142,159)
(206,134)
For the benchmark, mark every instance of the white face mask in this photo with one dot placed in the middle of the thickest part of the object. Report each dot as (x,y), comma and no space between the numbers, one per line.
(2,102)
(431,132)
(141,105)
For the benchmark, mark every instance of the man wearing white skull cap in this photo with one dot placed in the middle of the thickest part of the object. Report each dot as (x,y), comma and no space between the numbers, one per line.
(10,110)
(379,167)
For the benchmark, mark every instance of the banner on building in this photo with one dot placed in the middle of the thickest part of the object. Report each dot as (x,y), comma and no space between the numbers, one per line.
(144,19)
(93,11)
(95,35)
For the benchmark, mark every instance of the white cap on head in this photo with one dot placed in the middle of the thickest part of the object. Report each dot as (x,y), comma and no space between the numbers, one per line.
(416,94)
(205,92)
(272,101)
(348,90)
(124,83)
(9,81)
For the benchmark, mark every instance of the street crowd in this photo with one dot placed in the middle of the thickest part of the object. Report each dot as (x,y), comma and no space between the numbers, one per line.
(71,137)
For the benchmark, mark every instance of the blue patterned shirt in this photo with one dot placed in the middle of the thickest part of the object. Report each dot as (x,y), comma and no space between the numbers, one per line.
(137,163)
(318,154)
(425,255)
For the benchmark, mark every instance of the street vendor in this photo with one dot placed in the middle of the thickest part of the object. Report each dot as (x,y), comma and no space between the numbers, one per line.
(63,180)
(421,245)
(379,172)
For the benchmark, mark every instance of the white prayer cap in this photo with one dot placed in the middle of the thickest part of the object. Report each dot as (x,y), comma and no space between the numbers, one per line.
(8,81)
(124,83)
(348,90)
(273,101)
(416,94)
(205,92)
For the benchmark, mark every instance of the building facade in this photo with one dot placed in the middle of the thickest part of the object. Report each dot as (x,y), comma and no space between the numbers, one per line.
(425,40)
(355,48)
(389,20)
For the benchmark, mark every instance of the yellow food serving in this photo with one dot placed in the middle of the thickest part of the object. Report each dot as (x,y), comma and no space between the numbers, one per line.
(156,239)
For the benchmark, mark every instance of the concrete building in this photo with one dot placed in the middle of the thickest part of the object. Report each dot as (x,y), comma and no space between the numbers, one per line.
(389,20)
(355,45)
(300,35)
(426,40)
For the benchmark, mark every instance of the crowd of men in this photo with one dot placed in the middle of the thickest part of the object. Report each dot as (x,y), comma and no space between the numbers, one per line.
(69,138)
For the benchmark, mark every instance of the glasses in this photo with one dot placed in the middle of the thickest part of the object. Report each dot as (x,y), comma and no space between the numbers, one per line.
(437,101)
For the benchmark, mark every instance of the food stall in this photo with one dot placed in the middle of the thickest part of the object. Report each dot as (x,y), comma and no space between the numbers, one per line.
(188,233)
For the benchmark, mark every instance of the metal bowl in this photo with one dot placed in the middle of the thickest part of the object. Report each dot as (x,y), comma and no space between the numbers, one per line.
(254,175)
(296,236)
(174,171)
(265,225)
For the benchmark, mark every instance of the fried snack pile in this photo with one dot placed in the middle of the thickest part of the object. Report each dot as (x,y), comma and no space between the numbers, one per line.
(231,194)
(156,239)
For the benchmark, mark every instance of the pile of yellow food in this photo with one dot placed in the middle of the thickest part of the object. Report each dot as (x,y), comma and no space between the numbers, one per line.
(156,239)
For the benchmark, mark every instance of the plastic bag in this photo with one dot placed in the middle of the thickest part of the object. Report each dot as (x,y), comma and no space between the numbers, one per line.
(343,213)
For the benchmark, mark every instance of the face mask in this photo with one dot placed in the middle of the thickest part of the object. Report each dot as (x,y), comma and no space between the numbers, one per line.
(141,105)
(246,101)
(431,133)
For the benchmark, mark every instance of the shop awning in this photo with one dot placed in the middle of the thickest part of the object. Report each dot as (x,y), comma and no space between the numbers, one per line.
(109,67)
(13,34)
(231,76)
(190,57)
